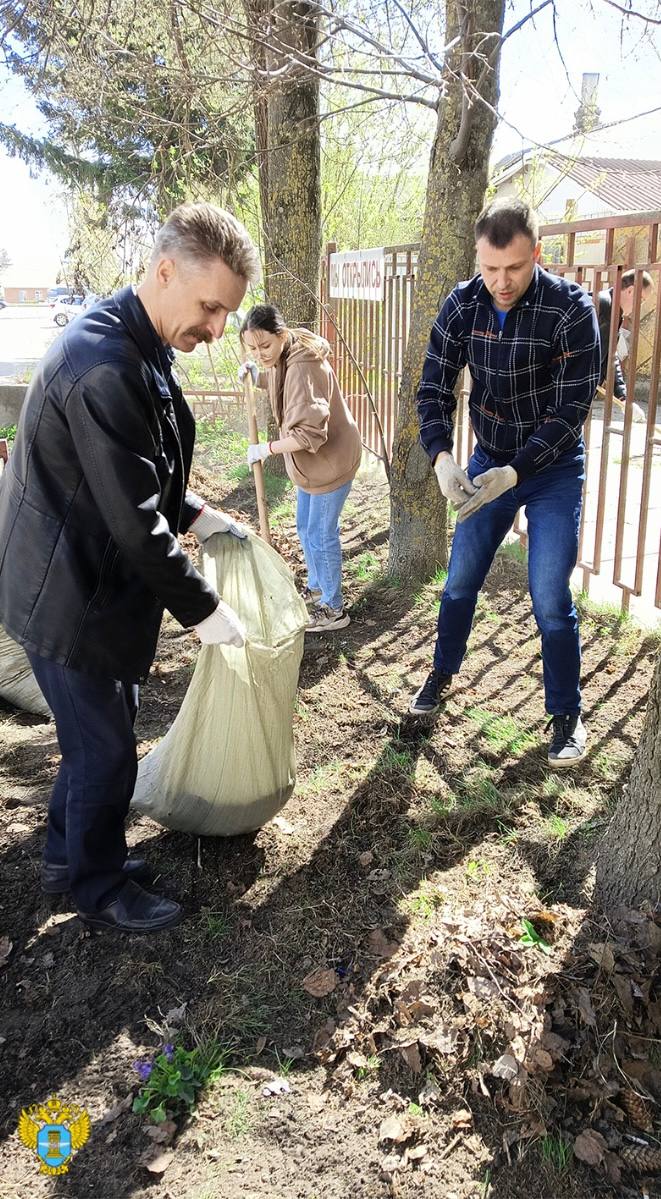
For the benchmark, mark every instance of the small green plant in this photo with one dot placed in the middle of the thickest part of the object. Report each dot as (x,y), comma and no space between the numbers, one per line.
(8,432)
(393,758)
(239,1118)
(530,936)
(216,924)
(557,828)
(173,1079)
(372,1065)
(419,839)
(476,869)
(416,1110)
(556,1152)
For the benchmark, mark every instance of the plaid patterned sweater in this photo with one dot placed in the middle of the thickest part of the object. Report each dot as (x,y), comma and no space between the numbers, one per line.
(533,383)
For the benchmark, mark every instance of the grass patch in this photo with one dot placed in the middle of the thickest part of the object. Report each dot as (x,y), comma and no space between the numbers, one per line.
(365,566)
(428,595)
(501,732)
(514,550)
(239,1118)
(556,1153)
(556,828)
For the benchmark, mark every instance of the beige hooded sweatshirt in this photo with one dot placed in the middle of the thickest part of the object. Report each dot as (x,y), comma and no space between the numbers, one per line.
(307,404)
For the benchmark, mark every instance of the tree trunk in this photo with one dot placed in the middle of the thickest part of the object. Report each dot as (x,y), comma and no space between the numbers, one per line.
(458,173)
(286,108)
(629,856)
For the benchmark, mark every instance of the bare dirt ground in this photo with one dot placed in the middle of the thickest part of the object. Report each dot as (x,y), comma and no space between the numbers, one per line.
(368,947)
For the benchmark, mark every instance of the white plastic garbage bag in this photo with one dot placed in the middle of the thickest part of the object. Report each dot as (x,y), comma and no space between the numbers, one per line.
(18,685)
(226,765)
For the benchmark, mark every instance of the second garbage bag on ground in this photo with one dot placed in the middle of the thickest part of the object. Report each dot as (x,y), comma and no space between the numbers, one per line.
(227,765)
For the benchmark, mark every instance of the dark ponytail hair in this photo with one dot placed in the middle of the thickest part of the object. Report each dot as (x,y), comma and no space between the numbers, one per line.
(269,319)
(263,316)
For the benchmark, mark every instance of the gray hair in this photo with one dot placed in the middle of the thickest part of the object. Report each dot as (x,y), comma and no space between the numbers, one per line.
(201,232)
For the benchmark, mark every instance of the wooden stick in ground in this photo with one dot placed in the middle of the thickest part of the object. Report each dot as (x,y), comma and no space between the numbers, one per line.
(258,469)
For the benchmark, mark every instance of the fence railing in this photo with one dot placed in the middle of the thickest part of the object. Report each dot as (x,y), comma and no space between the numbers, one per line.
(620,536)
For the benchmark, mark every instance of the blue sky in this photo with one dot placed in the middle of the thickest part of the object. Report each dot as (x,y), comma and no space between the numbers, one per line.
(536,99)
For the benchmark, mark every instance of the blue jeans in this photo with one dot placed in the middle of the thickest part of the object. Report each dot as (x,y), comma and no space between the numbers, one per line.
(552,501)
(94,719)
(318,527)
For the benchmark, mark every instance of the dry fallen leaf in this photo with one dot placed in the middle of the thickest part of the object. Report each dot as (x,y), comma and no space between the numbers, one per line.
(161,1134)
(585,1007)
(411,1055)
(506,1067)
(284,825)
(6,947)
(366,858)
(379,944)
(589,1147)
(393,1129)
(157,1163)
(320,982)
(602,955)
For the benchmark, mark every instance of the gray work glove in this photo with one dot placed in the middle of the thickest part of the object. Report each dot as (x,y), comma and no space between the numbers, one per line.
(452,480)
(210,521)
(489,486)
(248,368)
(223,627)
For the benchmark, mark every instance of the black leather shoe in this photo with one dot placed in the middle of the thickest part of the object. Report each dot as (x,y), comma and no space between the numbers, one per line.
(135,911)
(55,879)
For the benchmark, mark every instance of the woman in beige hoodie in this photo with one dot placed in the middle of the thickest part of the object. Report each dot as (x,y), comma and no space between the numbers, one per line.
(319,440)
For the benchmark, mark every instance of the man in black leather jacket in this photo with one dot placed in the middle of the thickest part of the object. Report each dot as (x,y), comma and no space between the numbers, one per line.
(91,504)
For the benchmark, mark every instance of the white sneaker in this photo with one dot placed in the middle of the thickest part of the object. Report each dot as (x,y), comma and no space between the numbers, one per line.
(326,620)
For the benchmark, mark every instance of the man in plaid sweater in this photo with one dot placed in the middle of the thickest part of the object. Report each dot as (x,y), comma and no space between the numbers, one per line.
(531,342)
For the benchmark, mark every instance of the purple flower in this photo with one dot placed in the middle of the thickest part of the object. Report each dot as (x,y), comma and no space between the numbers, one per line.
(143,1069)
(168,1050)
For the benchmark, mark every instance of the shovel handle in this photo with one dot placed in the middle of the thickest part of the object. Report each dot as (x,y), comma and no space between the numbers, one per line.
(258,469)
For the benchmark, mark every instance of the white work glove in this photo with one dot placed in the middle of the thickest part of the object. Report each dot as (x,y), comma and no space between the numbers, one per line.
(489,486)
(452,480)
(211,521)
(257,453)
(248,368)
(223,627)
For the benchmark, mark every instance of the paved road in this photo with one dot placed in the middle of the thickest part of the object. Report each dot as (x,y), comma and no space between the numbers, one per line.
(26,331)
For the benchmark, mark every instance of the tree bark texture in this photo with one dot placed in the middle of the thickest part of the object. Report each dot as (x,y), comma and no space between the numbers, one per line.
(286,107)
(458,173)
(628,866)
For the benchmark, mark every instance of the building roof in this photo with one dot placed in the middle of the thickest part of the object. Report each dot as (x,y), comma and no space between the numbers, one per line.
(625,184)
(622,184)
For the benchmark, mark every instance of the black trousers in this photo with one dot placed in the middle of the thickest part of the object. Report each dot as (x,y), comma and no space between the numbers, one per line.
(94,718)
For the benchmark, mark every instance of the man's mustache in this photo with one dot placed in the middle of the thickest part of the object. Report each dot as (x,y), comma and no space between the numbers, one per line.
(201,335)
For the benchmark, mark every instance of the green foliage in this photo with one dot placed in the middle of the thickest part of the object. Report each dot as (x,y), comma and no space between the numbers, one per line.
(501,732)
(530,936)
(173,1080)
(556,1152)
(140,109)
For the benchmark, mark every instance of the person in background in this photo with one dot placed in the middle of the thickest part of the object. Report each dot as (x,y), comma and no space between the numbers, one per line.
(531,342)
(92,502)
(320,443)
(604,310)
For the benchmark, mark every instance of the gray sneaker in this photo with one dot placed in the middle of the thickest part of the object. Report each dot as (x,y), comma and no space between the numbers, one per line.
(568,743)
(326,620)
(311,595)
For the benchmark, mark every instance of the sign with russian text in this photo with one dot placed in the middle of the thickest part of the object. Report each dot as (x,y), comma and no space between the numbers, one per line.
(357,275)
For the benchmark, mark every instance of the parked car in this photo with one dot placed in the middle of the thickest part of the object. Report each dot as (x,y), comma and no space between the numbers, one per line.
(56,293)
(66,308)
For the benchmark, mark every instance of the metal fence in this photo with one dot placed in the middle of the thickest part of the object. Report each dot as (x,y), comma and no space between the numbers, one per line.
(620,536)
